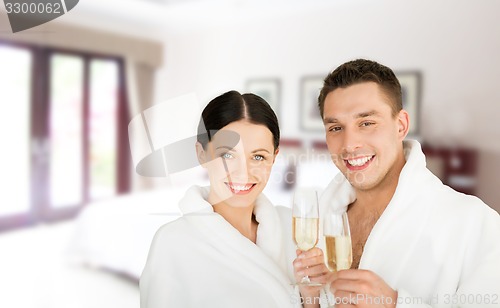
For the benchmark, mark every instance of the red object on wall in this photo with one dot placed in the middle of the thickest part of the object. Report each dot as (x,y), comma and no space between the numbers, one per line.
(459,167)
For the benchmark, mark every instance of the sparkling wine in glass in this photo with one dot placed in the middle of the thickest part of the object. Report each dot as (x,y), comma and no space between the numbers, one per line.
(337,234)
(305,223)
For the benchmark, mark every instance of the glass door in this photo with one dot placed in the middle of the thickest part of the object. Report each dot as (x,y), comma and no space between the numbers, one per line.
(15,132)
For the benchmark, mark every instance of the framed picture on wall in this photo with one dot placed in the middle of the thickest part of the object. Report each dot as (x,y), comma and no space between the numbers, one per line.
(310,119)
(267,88)
(410,89)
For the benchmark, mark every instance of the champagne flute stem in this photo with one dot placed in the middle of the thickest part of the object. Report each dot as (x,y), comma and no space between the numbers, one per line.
(305,279)
(326,291)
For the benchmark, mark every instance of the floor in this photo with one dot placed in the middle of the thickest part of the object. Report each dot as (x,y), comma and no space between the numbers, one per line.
(35,274)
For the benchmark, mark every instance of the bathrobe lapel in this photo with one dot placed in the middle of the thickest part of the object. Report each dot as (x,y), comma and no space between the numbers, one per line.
(264,262)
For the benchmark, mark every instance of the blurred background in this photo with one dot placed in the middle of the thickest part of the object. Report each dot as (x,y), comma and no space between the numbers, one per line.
(76,220)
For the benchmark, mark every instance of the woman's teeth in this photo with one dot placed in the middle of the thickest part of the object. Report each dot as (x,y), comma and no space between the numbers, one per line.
(240,187)
(359,162)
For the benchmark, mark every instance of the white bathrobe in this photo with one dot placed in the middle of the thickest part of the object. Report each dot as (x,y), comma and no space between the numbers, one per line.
(200,260)
(435,246)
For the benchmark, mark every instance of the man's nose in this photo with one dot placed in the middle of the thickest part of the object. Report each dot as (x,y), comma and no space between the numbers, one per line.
(351,141)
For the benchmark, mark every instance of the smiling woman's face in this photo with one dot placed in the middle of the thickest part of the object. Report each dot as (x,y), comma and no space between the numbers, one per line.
(238,173)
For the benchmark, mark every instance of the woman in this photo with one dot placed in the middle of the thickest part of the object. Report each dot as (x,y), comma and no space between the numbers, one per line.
(231,247)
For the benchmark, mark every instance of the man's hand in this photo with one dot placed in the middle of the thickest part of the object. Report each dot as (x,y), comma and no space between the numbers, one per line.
(361,288)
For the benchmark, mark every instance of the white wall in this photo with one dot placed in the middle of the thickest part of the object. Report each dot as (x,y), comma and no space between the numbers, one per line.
(455,44)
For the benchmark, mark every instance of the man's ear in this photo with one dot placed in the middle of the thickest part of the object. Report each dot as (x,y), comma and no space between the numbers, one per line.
(201,154)
(403,123)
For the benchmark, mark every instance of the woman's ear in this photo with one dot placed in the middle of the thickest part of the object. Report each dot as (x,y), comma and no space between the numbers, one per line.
(201,154)
(276,154)
(403,123)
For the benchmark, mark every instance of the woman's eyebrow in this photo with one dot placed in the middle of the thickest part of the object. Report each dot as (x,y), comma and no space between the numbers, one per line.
(224,147)
(261,150)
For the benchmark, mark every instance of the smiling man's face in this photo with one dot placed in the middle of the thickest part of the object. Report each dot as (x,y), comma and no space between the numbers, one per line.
(363,136)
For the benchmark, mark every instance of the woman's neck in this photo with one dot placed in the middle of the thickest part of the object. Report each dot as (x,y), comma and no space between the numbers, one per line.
(241,218)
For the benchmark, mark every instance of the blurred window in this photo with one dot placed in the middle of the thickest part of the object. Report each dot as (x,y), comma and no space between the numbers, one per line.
(15,129)
(103,127)
(64,132)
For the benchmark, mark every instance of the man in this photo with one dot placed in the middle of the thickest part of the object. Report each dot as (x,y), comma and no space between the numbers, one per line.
(416,242)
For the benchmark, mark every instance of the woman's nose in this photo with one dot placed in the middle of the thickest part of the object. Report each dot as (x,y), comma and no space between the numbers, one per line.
(238,171)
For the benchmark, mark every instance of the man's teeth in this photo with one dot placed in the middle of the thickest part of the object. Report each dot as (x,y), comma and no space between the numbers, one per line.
(240,187)
(359,162)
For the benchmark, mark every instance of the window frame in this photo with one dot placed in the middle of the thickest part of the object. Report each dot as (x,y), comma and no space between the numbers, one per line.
(40,208)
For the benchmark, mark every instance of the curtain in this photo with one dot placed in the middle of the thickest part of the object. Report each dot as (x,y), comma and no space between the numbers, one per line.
(140,90)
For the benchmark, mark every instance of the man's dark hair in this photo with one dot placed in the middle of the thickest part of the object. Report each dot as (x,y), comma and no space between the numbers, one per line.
(361,70)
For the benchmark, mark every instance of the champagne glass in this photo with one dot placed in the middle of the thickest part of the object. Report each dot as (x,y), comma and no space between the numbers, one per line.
(337,234)
(305,223)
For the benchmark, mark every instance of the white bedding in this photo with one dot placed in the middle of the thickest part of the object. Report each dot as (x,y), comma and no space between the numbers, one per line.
(115,234)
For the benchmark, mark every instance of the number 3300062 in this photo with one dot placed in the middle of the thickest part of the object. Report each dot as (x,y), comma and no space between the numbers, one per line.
(33,8)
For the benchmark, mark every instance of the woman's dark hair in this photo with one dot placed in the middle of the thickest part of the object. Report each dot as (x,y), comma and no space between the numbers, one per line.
(233,106)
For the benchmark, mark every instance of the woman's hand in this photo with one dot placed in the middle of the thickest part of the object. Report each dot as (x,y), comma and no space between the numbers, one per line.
(311,263)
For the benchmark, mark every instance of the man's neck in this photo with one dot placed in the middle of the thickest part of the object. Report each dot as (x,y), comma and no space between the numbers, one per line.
(377,198)
(373,201)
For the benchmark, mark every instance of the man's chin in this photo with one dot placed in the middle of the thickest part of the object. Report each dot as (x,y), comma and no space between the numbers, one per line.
(360,182)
